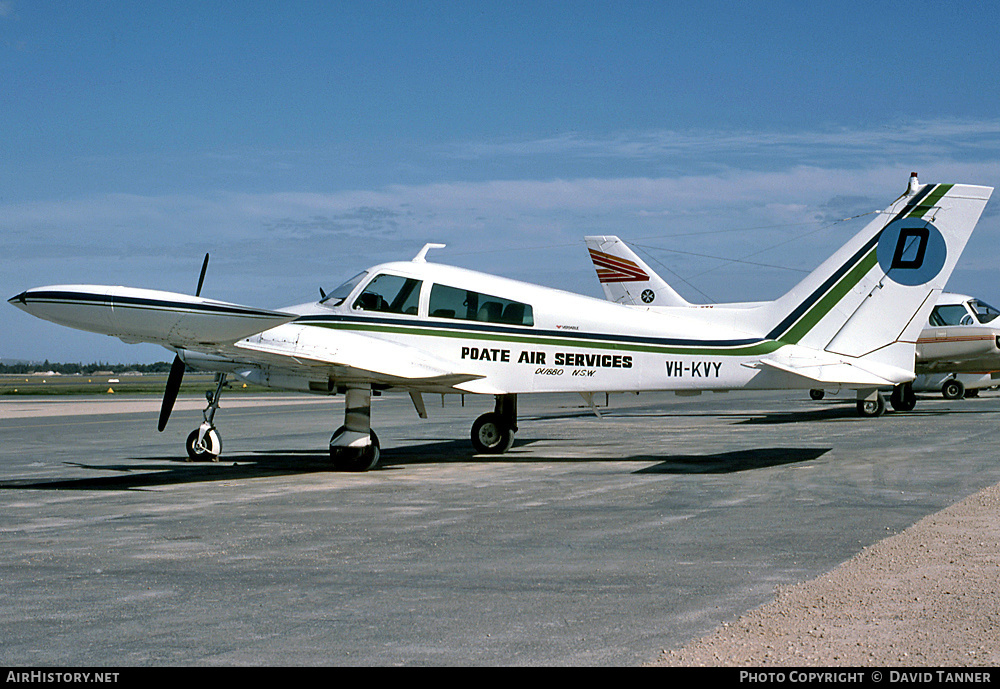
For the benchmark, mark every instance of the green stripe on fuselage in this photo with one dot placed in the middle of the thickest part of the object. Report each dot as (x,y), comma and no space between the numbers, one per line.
(757,348)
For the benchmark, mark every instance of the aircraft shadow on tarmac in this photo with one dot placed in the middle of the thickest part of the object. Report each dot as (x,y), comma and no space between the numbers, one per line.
(834,409)
(792,415)
(149,473)
(733,461)
(837,410)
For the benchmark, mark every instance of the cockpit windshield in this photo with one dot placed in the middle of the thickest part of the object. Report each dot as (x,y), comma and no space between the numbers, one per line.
(338,295)
(984,312)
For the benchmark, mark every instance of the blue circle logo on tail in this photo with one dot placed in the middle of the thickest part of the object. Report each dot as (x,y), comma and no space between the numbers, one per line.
(911,251)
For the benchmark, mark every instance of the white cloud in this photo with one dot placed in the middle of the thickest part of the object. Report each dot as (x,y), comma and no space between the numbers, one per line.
(923,138)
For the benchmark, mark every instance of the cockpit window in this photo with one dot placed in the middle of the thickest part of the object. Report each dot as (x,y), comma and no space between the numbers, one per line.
(984,312)
(390,294)
(466,305)
(342,292)
(951,314)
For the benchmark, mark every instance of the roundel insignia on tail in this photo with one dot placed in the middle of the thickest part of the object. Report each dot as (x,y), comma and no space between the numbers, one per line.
(648,296)
(911,251)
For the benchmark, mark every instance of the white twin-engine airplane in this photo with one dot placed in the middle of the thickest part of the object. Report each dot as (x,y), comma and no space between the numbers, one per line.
(430,328)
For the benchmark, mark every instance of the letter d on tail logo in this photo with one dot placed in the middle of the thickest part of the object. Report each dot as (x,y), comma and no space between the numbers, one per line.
(911,251)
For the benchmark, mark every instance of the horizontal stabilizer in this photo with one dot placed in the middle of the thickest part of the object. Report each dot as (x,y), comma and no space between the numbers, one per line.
(142,315)
(833,372)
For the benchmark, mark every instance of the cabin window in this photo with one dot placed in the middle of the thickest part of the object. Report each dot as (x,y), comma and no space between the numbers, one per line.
(951,314)
(390,294)
(466,305)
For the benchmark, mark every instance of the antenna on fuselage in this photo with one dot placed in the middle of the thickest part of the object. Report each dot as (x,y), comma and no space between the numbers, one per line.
(421,256)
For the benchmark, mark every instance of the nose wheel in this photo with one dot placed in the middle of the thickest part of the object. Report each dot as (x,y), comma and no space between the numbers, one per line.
(204,446)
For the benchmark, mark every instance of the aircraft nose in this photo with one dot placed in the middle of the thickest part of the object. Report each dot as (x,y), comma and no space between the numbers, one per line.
(19,299)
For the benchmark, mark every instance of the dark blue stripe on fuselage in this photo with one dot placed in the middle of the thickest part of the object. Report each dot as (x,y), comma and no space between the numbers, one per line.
(474,327)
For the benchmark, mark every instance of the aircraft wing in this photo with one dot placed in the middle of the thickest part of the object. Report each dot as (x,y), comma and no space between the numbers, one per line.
(143,315)
(219,335)
(346,357)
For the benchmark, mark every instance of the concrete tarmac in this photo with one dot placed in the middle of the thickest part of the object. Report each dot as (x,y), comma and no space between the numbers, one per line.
(594,541)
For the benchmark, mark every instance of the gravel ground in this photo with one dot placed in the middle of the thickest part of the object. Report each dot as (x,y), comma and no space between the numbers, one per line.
(925,597)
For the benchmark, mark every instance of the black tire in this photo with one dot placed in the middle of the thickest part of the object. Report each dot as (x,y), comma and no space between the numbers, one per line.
(491,435)
(903,398)
(211,450)
(351,459)
(817,394)
(872,408)
(953,390)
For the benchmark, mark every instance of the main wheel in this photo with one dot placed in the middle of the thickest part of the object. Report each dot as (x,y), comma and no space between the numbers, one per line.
(817,394)
(352,458)
(491,435)
(903,398)
(872,408)
(208,450)
(953,389)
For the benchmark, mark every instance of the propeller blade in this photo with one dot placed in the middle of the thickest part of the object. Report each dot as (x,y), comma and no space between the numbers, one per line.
(201,280)
(170,394)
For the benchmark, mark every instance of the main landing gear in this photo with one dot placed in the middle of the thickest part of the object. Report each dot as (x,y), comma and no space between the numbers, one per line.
(354,446)
(871,403)
(903,398)
(493,432)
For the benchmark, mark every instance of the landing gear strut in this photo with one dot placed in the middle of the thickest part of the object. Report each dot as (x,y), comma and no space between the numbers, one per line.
(493,432)
(354,446)
(204,444)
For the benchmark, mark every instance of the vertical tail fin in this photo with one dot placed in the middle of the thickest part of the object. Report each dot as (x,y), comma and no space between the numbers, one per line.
(626,278)
(872,297)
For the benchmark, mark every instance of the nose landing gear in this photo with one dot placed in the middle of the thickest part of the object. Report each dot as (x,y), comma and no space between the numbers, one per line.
(204,444)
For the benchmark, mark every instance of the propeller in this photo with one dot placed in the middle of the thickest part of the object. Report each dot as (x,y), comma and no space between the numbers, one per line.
(170,394)
(177,368)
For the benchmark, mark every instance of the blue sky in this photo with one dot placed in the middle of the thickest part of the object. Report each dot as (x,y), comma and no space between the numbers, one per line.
(299,143)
